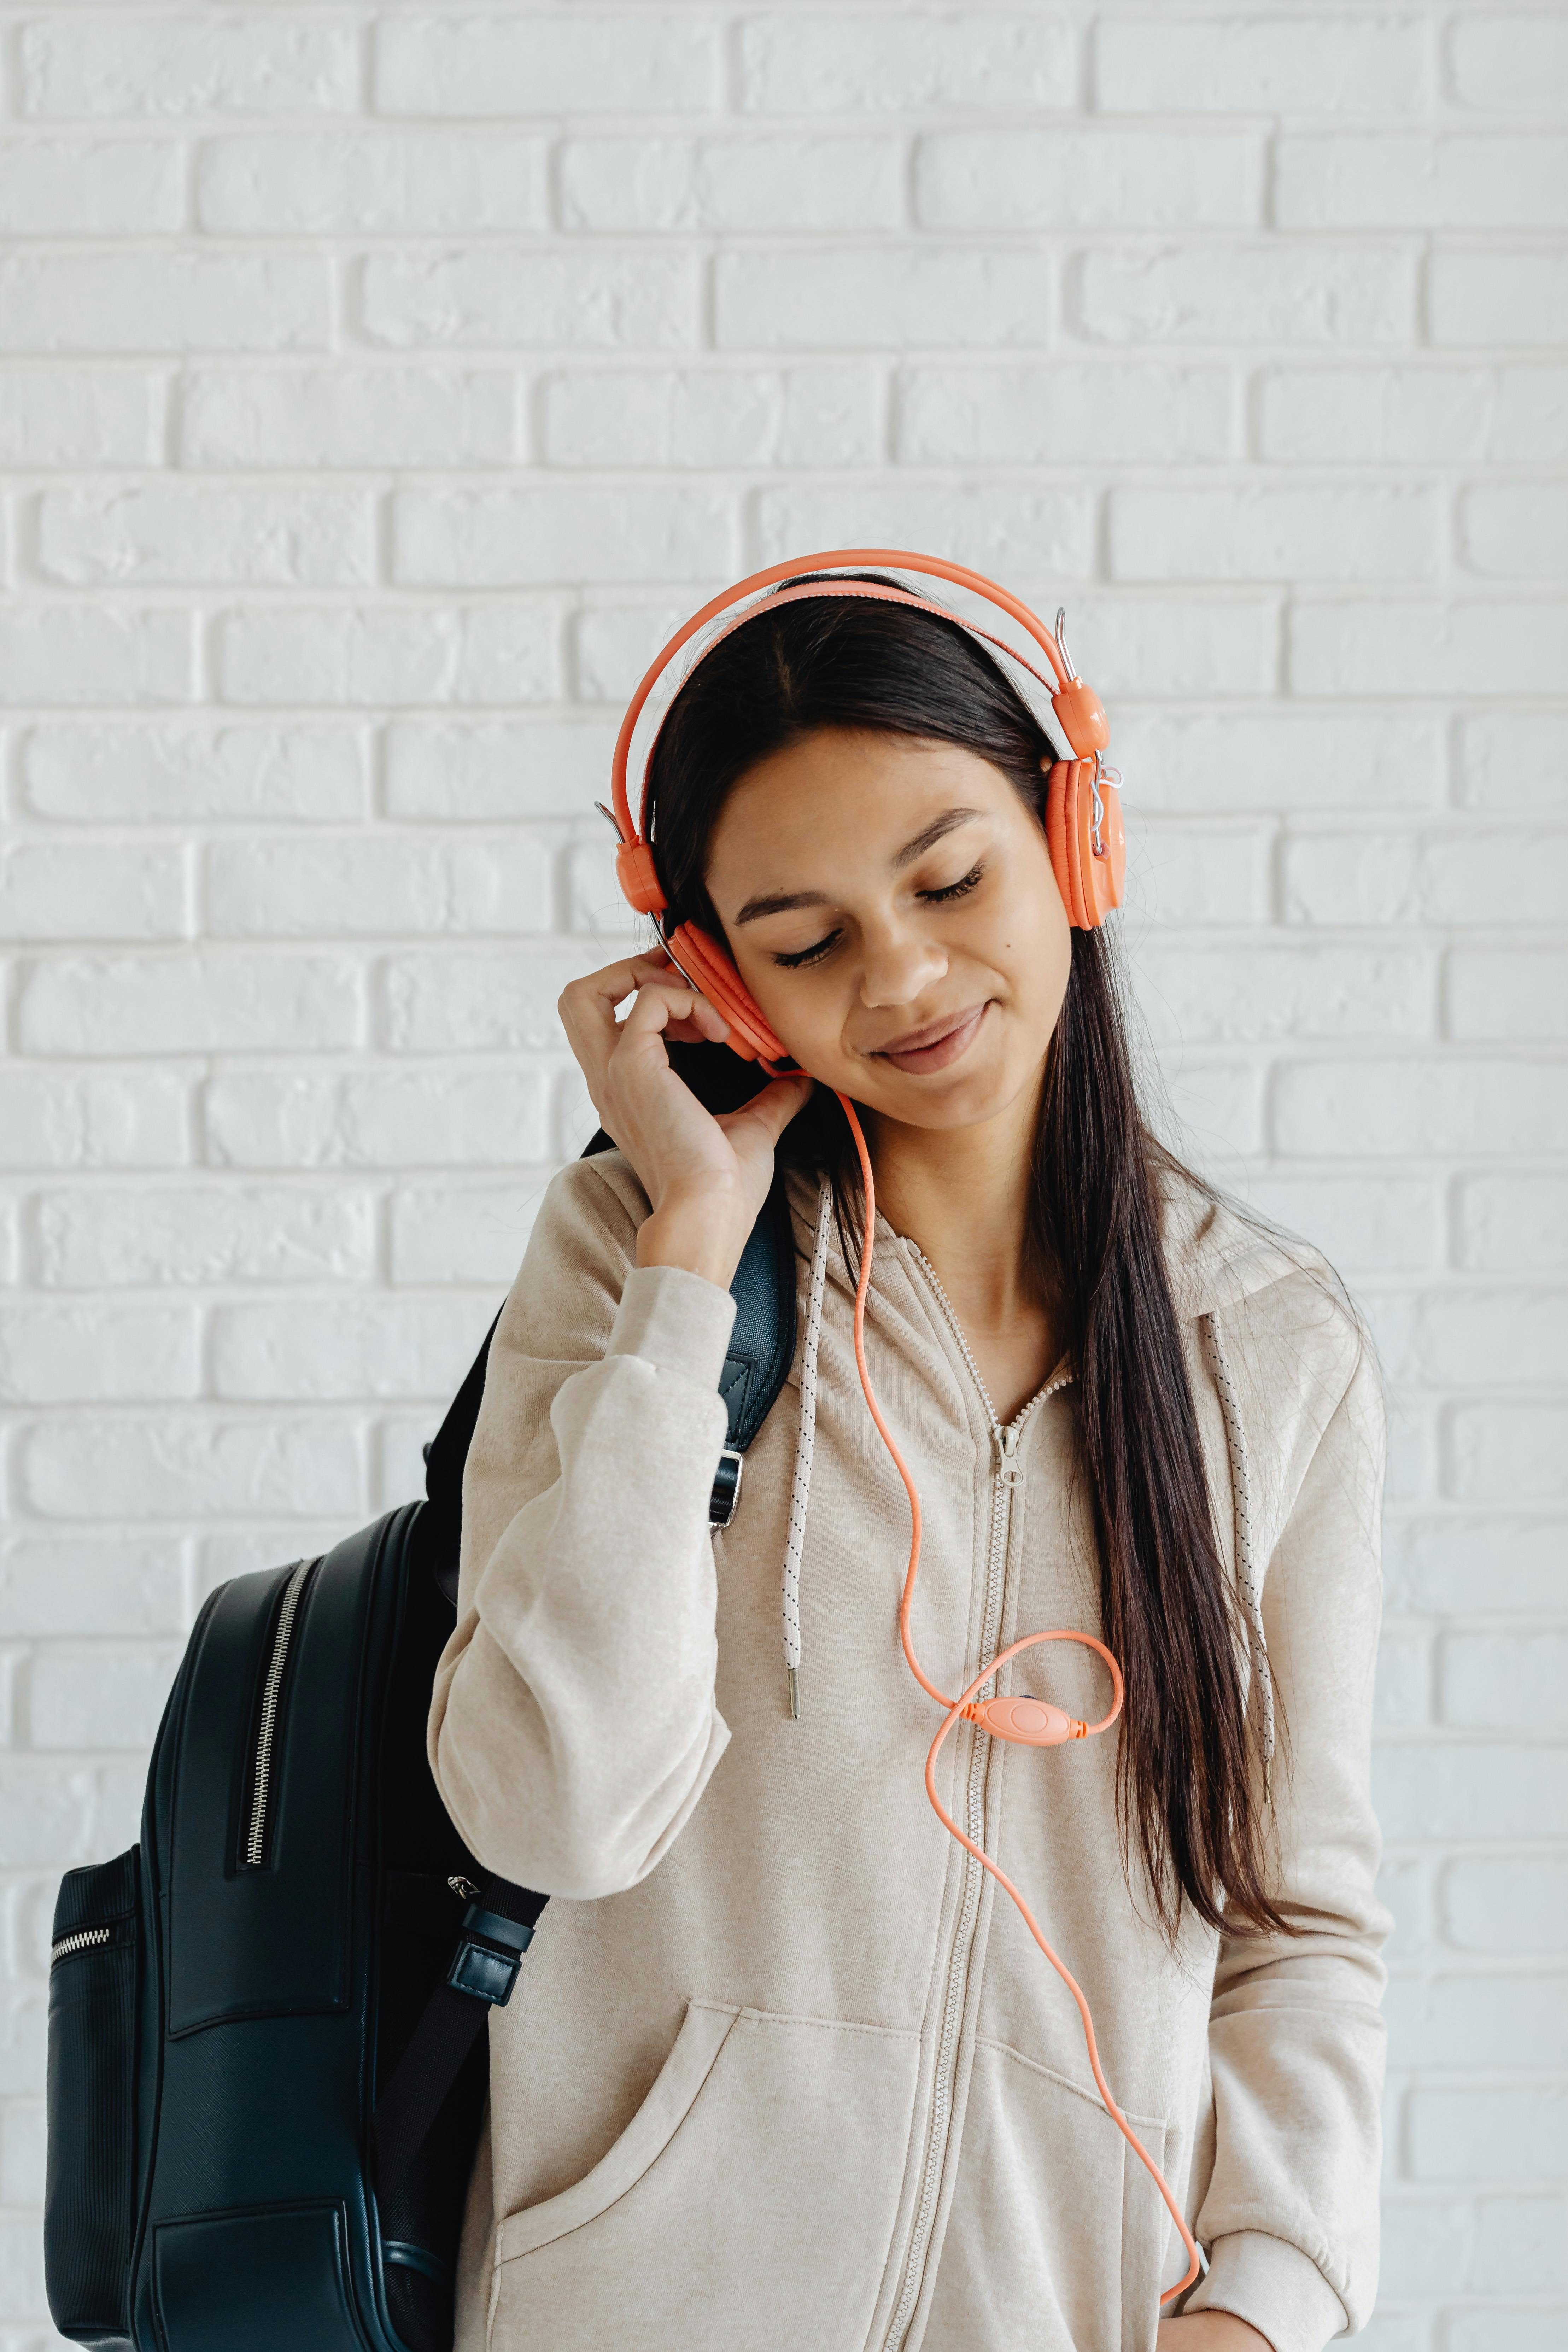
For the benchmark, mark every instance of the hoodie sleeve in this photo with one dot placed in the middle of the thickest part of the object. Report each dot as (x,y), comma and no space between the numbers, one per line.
(1296,2039)
(572,1726)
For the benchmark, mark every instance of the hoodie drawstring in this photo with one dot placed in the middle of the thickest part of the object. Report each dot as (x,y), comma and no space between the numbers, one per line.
(1246,1574)
(801,1489)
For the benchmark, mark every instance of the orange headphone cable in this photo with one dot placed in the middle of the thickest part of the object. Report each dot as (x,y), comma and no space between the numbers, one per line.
(957,1709)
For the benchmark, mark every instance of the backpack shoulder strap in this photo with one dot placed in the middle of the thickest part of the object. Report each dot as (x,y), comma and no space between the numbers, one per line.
(498,1928)
(762,1344)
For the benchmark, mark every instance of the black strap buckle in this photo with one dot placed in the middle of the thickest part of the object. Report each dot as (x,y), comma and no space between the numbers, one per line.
(487,1961)
(726,1492)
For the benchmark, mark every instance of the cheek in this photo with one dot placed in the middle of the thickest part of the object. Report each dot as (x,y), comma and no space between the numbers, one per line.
(1038,937)
(807,1017)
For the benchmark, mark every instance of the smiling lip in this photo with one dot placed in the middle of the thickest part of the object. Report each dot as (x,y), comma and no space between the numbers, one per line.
(935,1046)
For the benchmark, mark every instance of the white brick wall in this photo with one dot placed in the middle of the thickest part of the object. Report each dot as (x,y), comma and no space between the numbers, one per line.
(383,383)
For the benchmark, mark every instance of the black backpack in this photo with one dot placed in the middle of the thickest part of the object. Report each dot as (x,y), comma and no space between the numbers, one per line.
(266,2065)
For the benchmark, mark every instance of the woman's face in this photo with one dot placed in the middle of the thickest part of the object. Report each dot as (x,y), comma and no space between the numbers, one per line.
(891,905)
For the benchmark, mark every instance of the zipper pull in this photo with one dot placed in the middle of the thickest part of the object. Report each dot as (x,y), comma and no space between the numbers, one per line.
(1007,1468)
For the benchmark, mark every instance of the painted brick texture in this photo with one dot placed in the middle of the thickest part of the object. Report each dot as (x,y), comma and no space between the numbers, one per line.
(382,384)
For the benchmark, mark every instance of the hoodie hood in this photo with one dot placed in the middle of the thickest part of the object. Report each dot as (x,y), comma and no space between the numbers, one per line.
(1215,1256)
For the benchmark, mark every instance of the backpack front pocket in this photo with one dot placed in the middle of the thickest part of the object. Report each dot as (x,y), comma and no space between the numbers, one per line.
(89,2192)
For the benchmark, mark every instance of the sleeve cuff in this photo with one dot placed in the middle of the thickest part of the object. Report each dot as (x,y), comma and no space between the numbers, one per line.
(675,1320)
(1275,2287)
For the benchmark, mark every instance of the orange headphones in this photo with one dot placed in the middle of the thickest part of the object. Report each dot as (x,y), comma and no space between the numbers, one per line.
(1088,857)
(1083,813)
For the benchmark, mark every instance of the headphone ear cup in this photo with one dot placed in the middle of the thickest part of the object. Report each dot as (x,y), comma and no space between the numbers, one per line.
(709,971)
(1056,830)
(1091,887)
(1063,824)
(1105,876)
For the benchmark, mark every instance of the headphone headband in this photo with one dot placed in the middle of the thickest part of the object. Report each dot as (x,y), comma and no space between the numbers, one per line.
(1076,707)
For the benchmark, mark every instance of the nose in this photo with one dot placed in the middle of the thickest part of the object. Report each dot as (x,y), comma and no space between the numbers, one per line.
(898,965)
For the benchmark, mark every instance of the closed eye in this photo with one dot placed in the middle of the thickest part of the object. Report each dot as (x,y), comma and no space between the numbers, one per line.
(800,956)
(959,889)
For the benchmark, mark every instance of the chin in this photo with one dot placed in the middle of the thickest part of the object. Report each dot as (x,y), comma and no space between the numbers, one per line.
(956,1097)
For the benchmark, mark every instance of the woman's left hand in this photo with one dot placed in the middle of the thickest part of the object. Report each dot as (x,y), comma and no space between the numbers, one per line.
(1210,2331)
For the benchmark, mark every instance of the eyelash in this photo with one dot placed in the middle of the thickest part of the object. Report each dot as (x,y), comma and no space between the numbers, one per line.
(959,889)
(805,957)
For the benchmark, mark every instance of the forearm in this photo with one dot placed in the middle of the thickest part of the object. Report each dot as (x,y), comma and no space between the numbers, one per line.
(574,1726)
(579,1800)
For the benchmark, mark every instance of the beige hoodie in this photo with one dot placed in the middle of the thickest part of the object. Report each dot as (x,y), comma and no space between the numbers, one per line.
(784,2068)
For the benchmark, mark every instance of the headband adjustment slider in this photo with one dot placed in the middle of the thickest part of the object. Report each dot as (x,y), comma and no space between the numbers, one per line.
(641,885)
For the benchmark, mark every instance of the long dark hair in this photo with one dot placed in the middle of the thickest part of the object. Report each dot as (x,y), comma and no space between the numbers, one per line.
(1188,1771)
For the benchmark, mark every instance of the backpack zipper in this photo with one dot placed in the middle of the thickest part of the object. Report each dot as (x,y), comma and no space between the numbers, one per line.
(80,1941)
(267,1726)
(1006,1475)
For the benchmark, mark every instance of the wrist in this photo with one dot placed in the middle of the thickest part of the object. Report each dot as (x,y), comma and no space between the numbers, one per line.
(692,1236)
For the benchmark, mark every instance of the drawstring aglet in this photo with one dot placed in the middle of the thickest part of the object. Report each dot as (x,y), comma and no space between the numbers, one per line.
(794,1694)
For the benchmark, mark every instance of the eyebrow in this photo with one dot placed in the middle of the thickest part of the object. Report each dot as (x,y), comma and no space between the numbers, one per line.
(949,822)
(780,902)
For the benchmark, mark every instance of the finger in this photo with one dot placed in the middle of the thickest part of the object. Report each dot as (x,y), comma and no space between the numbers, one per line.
(619,979)
(776,1104)
(587,1006)
(660,1003)
(598,992)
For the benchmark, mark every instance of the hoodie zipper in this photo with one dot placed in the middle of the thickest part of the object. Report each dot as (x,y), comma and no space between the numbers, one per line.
(1006,1475)
(255,1853)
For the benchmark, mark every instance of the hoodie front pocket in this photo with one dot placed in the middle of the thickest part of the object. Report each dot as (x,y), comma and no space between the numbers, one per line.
(1056,2232)
(748,2203)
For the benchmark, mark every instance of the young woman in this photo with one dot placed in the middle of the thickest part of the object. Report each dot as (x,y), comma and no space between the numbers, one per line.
(788,2069)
